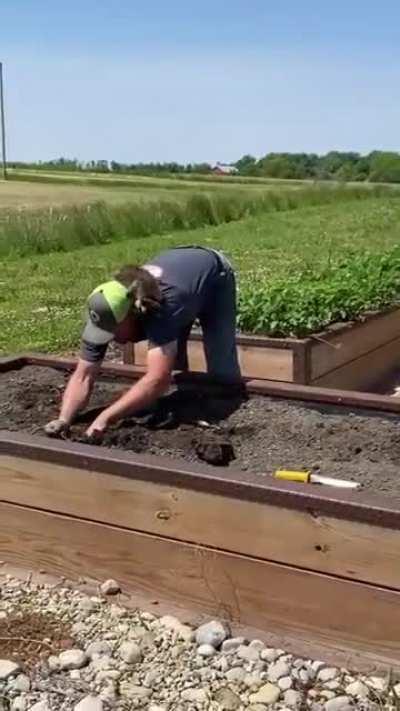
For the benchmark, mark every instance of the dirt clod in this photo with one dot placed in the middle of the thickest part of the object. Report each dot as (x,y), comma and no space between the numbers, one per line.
(214,452)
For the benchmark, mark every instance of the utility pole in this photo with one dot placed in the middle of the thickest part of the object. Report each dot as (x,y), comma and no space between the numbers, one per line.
(3,125)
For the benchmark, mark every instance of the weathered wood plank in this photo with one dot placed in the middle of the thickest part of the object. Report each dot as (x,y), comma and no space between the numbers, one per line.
(255,361)
(365,371)
(351,343)
(335,612)
(307,539)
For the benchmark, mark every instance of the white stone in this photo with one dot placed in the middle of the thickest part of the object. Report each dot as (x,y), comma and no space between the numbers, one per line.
(130,653)
(133,691)
(89,703)
(156,707)
(236,675)
(250,654)
(196,696)
(206,650)
(327,674)
(75,674)
(285,683)
(268,694)
(98,649)
(357,688)
(87,606)
(110,587)
(227,700)
(269,655)
(292,698)
(151,677)
(102,663)
(72,659)
(40,706)
(213,633)
(377,683)
(317,665)
(19,704)
(108,675)
(253,681)
(277,670)
(22,683)
(305,676)
(327,694)
(7,669)
(53,663)
(109,694)
(332,685)
(231,645)
(257,644)
(182,631)
(340,703)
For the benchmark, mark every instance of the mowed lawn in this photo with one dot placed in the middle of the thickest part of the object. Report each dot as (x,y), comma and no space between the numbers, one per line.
(42,298)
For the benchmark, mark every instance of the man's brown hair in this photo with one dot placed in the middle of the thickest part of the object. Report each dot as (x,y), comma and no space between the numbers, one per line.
(142,286)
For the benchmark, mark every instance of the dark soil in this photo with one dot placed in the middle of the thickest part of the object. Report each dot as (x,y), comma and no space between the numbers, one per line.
(28,638)
(259,435)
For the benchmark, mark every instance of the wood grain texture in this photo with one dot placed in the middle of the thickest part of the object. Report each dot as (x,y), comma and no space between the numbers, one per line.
(351,343)
(337,613)
(305,538)
(365,371)
(256,361)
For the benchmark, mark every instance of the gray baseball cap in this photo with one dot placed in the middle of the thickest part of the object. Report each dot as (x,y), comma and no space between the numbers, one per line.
(107,306)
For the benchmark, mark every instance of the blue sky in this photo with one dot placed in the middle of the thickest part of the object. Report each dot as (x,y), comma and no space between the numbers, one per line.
(208,80)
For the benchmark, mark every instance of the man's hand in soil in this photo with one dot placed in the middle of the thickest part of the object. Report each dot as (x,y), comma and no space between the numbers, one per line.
(160,361)
(57,428)
(95,432)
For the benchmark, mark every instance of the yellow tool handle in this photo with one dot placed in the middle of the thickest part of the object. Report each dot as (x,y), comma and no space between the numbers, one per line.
(292,476)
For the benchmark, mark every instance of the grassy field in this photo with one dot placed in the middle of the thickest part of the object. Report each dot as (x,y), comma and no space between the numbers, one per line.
(171,181)
(31,195)
(303,257)
(66,228)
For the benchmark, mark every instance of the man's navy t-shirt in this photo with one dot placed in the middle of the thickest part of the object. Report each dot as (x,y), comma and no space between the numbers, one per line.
(186,277)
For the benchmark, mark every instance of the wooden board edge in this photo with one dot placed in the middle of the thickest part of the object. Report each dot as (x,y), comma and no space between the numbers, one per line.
(269,388)
(12,363)
(342,614)
(362,507)
(386,358)
(341,547)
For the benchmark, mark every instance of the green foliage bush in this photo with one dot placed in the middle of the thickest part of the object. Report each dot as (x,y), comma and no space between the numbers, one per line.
(307,301)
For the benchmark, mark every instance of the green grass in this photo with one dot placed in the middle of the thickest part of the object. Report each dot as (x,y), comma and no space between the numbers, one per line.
(166,180)
(65,229)
(42,296)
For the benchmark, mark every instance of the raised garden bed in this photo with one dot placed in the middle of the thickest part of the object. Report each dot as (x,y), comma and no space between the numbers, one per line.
(317,567)
(354,356)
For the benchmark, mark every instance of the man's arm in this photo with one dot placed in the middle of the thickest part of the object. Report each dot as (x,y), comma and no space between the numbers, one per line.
(76,396)
(160,363)
(79,389)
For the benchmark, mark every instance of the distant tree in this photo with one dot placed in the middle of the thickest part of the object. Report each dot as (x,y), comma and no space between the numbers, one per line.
(385,167)
(247,165)
(277,165)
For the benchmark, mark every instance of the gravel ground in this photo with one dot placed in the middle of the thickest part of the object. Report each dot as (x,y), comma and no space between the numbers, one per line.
(71,651)
(265,434)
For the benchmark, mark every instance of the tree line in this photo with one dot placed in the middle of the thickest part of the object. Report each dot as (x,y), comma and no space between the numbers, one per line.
(377,166)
